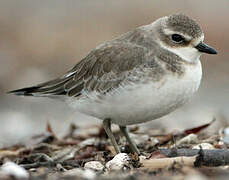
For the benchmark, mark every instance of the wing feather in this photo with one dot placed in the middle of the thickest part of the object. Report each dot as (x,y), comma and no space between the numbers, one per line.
(105,68)
(102,70)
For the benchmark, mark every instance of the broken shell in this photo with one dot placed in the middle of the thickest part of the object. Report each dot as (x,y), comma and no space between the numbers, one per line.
(94,165)
(118,162)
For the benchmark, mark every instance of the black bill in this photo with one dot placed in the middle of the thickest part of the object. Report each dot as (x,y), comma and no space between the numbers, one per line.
(202,47)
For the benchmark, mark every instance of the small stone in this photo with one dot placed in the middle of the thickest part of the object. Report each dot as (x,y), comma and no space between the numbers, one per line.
(190,139)
(203,146)
(94,165)
(13,170)
(118,162)
(141,158)
(221,143)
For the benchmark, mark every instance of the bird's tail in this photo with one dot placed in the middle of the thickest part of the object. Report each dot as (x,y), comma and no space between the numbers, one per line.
(50,88)
(28,91)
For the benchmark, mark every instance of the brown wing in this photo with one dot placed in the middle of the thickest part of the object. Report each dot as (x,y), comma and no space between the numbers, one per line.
(101,70)
(104,68)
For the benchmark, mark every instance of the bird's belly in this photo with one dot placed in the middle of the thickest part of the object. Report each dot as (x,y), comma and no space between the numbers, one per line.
(143,102)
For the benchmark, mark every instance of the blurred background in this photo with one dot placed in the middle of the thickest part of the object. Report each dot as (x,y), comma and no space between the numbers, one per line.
(40,40)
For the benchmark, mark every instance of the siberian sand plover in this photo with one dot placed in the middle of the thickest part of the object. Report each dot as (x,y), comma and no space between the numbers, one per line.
(140,76)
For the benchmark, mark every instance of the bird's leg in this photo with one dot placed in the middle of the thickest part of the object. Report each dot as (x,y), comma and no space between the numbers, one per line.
(107,128)
(132,144)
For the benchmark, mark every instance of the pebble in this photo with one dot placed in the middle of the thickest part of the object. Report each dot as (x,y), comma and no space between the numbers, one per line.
(94,165)
(13,170)
(190,139)
(221,143)
(141,158)
(203,146)
(118,162)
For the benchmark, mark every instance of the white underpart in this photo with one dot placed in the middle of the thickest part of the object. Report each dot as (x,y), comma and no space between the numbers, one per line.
(143,102)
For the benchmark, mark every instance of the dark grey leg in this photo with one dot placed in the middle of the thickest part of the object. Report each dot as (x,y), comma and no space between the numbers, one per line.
(131,143)
(107,128)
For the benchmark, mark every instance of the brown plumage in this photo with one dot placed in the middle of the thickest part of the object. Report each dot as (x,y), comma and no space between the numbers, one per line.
(137,77)
(115,62)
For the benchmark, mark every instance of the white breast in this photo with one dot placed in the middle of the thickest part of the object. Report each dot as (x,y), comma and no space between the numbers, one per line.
(144,102)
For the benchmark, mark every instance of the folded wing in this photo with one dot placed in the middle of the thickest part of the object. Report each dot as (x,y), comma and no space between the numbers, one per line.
(102,70)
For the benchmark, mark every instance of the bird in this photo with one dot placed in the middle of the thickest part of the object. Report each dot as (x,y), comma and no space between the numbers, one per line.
(139,76)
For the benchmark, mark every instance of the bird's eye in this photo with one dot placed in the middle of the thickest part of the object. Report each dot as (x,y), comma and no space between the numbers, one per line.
(177,38)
